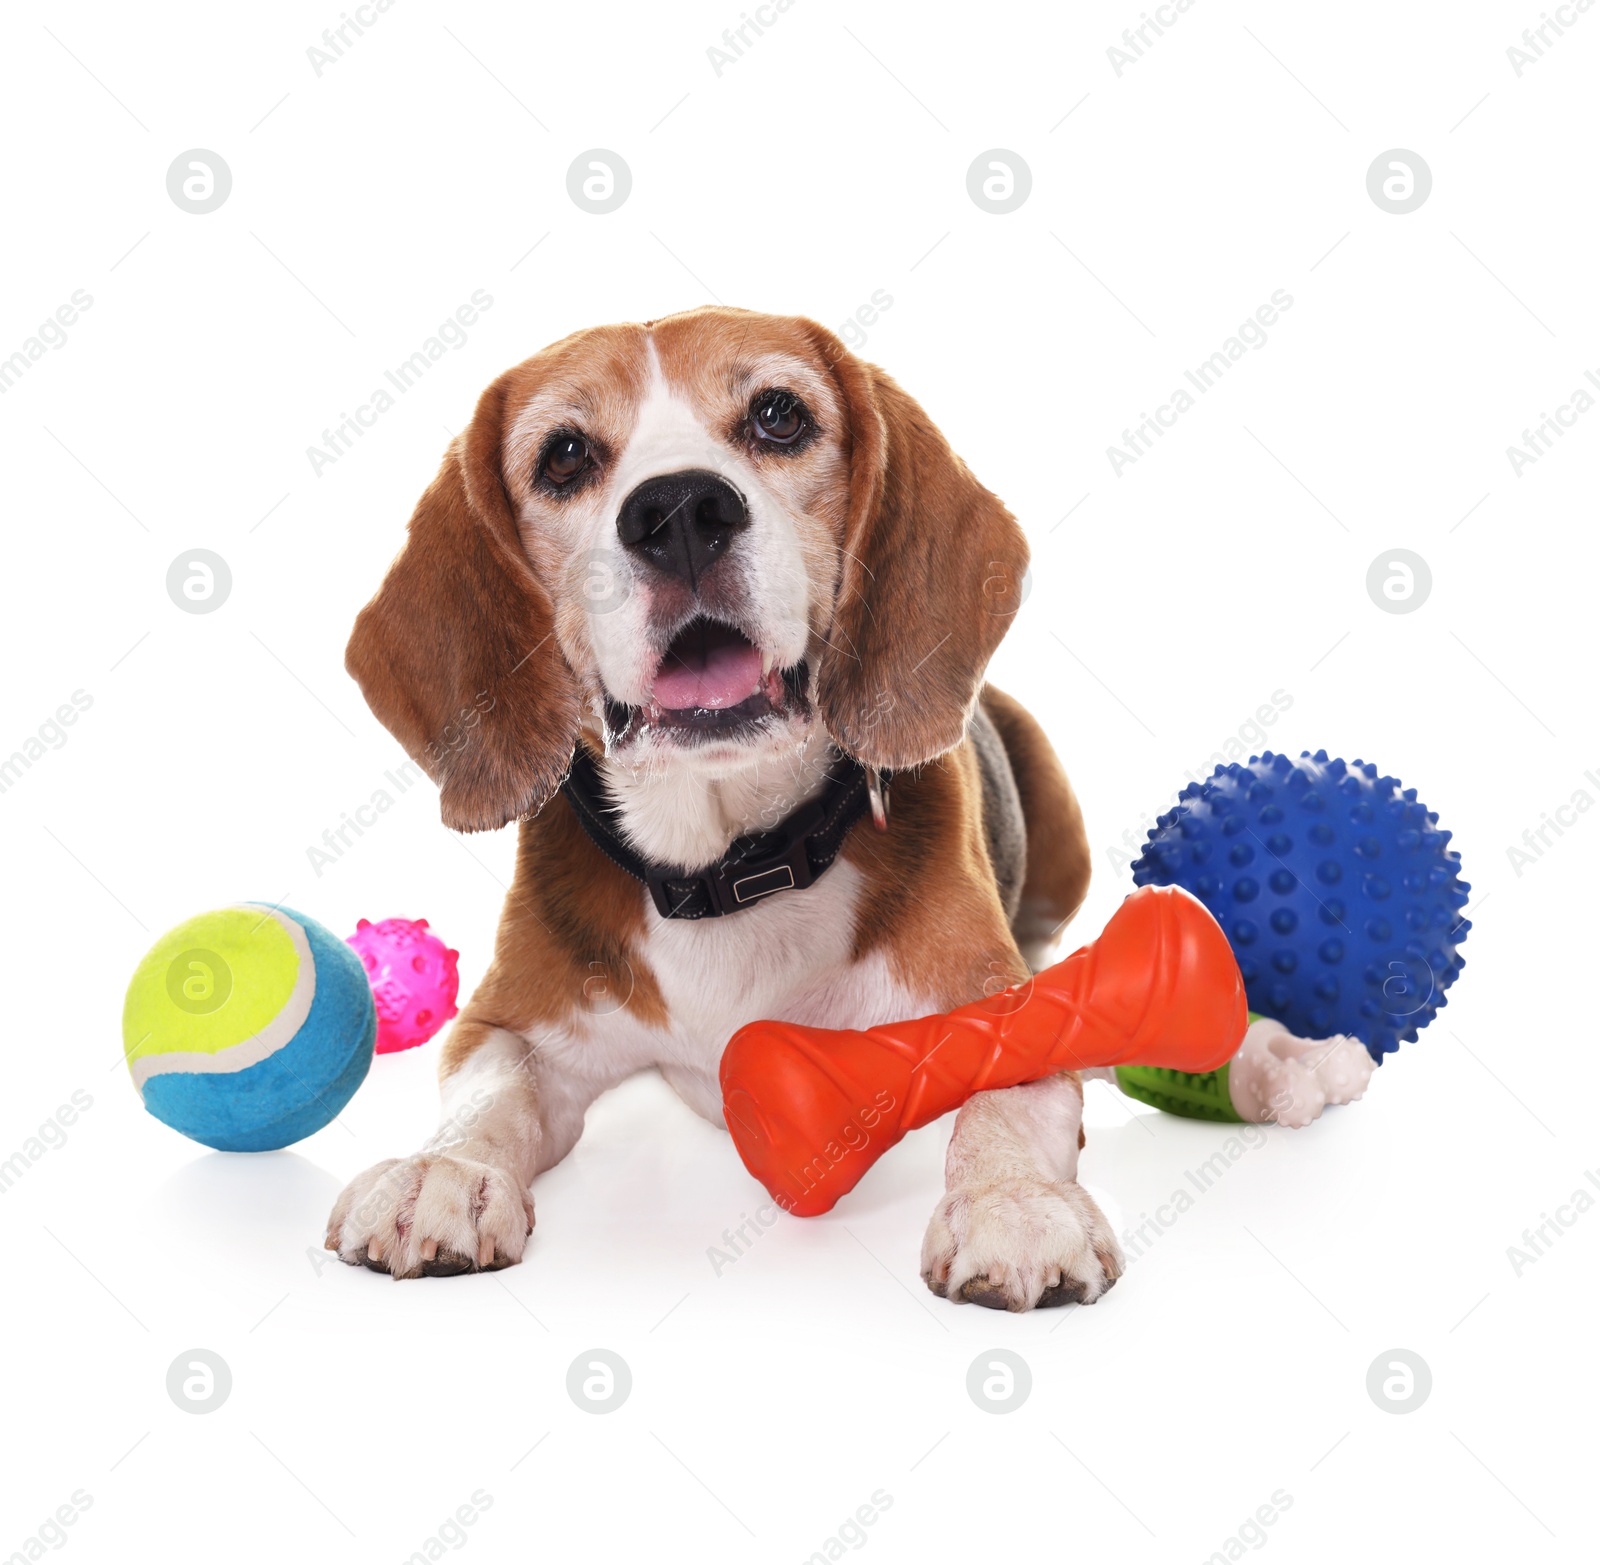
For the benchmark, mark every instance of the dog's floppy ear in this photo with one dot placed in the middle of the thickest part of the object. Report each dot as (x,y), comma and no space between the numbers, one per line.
(456,654)
(932,577)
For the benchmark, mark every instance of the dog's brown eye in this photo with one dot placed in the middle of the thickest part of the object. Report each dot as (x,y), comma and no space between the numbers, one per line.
(565,458)
(779,416)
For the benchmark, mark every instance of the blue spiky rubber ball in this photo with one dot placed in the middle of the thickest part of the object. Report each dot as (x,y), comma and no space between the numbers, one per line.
(1337,890)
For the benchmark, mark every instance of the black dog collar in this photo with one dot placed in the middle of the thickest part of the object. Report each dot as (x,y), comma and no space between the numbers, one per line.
(788,858)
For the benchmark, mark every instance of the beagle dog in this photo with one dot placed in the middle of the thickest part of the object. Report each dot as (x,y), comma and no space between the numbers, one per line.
(704,604)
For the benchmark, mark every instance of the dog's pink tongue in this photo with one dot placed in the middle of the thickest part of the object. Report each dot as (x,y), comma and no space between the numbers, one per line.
(713,677)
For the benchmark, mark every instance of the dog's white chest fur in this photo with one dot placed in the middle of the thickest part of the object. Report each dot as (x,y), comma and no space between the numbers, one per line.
(788,958)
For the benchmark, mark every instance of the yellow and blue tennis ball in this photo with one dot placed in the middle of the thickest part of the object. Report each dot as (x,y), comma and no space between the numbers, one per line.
(248,1028)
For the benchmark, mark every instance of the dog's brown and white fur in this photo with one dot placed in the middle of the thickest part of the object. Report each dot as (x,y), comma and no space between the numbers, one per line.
(872,562)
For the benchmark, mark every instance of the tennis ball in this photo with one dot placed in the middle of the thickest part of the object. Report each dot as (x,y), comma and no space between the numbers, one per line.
(248,1028)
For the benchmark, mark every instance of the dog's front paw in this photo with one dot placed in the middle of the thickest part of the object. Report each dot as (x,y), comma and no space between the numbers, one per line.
(1020,1245)
(430,1216)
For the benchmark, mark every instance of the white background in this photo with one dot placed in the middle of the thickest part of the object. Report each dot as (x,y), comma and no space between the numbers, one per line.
(1167,605)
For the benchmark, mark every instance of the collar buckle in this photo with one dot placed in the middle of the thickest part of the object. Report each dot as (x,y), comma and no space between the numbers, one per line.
(745,874)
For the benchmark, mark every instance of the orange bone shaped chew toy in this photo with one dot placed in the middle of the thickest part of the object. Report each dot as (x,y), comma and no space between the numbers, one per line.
(811,1109)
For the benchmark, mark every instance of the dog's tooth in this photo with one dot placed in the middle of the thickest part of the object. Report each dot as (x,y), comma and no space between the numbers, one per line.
(768,659)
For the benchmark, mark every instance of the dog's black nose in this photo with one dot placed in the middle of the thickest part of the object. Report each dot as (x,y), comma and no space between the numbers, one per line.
(682,523)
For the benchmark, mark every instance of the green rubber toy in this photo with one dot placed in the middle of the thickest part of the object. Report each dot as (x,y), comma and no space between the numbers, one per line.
(1179,1092)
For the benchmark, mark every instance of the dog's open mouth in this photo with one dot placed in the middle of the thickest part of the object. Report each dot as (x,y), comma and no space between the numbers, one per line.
(711,682)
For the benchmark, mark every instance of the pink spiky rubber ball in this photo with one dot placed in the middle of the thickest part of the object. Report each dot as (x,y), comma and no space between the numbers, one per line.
(413,977)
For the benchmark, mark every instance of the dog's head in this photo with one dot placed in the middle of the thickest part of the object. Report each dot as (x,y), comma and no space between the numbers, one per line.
(697,539)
